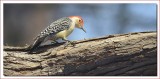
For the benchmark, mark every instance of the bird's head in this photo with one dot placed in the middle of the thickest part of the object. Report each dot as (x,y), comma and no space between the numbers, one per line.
(78,22)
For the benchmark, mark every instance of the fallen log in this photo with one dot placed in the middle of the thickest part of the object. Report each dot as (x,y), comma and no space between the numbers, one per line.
(114,55)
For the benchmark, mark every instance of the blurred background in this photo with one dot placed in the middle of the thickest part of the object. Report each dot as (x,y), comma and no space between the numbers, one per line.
(23,22)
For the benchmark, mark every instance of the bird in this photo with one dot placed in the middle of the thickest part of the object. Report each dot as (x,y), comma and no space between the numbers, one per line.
(59,29)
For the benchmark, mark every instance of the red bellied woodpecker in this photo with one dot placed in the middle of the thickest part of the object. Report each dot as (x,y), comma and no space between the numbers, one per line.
(59,29)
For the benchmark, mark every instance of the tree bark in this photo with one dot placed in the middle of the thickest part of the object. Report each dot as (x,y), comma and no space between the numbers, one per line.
(120,54)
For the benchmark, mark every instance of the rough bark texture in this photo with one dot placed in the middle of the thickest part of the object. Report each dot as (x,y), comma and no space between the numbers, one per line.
(125,54)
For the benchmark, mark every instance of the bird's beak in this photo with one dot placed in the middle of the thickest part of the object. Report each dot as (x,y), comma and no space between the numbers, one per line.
(83,29)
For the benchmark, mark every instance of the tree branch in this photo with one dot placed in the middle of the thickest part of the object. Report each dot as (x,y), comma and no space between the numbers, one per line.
(121,54)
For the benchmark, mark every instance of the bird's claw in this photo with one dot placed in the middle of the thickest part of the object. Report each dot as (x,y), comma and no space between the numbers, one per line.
(69,43)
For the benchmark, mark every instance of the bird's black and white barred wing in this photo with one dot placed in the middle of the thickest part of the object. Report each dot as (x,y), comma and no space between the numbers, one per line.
(55,27)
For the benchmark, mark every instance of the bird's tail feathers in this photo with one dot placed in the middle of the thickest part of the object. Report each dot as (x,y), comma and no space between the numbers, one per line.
(35,45)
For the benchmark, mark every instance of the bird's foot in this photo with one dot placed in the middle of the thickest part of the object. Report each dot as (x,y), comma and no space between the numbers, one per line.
(69,43)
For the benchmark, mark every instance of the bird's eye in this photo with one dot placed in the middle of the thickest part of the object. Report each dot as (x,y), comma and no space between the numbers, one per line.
(79,20)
